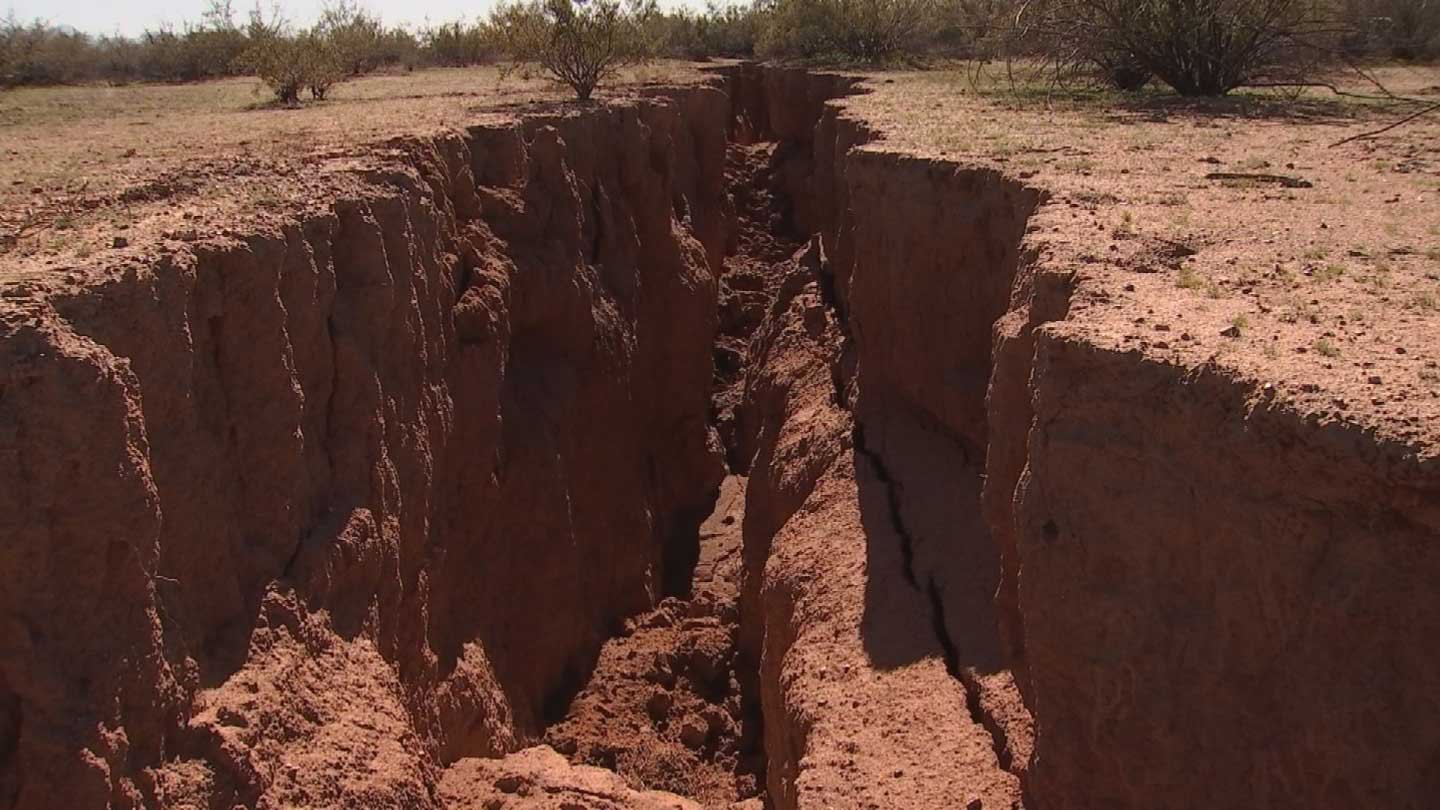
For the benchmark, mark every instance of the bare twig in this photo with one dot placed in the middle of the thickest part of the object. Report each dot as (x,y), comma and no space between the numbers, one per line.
(1374,132)
(1337,91)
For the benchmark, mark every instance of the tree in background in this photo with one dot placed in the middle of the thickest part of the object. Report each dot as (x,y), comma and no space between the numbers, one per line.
(1401,29)
(40,54)
(1197,46)
(728,30)
(866,31)
(289,62)
(578,44)
(354,35)
(457,44)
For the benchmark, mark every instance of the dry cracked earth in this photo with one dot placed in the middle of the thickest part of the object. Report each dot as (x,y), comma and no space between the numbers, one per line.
(754,438)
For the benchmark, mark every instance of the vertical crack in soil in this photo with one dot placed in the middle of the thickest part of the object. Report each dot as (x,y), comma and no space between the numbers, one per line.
(749,282)
(933,597)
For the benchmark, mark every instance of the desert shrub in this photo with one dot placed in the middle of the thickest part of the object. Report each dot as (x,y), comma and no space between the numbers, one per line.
(676,34)
(324,66)
(1198,47)
(732,30)
(397,46)
(289,64)
(717,31)
(457,44)
(970,28)
(1400,29)
(856,30)
(279,62)
(355,36)
(194,53)
(580,45)
(118,60)
(42,54)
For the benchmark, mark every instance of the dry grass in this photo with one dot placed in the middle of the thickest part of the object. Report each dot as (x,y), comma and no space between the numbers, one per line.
(82,153)
(1358,253)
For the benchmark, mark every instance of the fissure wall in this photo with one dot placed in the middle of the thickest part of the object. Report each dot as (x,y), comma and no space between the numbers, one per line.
(382,479)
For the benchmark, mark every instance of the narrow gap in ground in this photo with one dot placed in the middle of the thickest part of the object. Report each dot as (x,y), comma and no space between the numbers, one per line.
(662,706)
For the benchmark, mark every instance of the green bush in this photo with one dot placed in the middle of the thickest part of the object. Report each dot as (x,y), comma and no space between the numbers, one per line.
(398,46)
(870,31)
(1400,29)
(42,54)
(290,64)
(457,44)
(190,55)
(732,30)
(580,45)
(718,31)
(355,36)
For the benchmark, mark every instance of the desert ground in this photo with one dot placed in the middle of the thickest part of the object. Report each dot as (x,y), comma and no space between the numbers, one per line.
(752,437)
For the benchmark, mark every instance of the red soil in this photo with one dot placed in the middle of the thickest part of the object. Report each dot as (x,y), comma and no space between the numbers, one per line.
(396,504)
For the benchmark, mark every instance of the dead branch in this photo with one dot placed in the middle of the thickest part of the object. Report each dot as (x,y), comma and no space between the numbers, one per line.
(1381,131)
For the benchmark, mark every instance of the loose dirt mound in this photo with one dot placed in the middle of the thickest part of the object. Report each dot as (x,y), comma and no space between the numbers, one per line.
(540,779)
(663,706)
(760,241)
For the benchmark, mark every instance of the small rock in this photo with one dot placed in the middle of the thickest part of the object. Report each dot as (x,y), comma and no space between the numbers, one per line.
(661,672)
(658,706)
(1373,379)
(120,242)
(694,732)
(1232,332)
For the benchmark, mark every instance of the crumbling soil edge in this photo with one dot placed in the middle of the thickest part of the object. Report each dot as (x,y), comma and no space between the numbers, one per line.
(826,145)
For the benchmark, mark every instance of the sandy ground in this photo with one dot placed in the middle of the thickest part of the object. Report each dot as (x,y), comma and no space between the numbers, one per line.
(1329,291)
(1337,280)
(84,167)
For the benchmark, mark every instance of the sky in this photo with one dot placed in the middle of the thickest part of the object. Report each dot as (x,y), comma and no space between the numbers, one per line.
(131,17)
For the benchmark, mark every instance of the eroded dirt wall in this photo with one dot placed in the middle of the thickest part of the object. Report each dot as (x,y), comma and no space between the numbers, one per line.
(298,516)
(1222,602)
